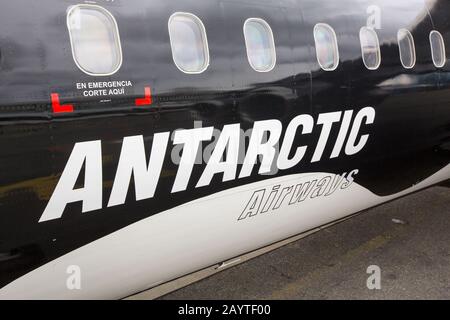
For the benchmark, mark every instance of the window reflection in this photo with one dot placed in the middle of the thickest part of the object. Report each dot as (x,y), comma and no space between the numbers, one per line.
(437,49)
(95,39)
(189,43)
(260,45)
(326,47)
(370,48)
(406,48)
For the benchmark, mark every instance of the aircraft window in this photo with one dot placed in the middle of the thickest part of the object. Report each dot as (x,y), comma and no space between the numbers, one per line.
(95,39)
(260,45)
(326,47)
(189,43)
(370,48)
(437,49)
(407,48)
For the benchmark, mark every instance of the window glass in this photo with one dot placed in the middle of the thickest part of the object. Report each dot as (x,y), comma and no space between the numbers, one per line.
(94,39)
(370,48)
(407,48)
(260,45)
(189,43)
(326,47)
(437,49)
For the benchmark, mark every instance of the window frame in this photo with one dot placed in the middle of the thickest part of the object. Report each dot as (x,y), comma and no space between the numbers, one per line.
(410,36)
(444,53)
(116,31)
(272,40)
(371,30)
(204,35)
(335,45)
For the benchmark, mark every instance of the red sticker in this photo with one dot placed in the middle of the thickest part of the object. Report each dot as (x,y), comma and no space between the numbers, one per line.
(147,100)
(57,107)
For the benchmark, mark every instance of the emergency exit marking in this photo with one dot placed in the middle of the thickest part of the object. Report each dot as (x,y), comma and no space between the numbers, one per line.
(147,100)
(57,107)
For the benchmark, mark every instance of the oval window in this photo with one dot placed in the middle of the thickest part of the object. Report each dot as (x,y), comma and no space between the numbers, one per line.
(437,48)
(407,48)
(260,45)
(326,47)
(95,39)
(189,42)
(370,48)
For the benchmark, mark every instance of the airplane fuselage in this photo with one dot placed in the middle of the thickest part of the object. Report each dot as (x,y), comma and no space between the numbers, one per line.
(135,162)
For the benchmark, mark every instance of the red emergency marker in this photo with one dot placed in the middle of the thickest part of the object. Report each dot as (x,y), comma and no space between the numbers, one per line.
(147,100)
(57,107)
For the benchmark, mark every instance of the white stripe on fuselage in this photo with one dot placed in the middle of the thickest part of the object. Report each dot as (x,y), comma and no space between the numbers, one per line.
(190,237)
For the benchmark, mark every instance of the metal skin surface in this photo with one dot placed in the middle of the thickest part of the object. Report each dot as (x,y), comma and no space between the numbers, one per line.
(409,141)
